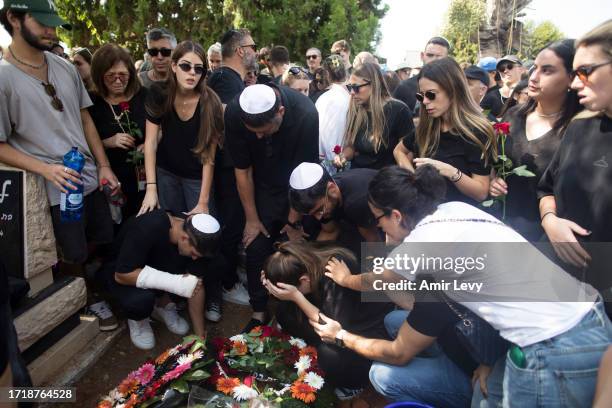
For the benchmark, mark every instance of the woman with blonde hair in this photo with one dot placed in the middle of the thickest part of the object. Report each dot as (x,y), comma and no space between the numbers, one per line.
(575,191)
(296,78)
(375,123)
(452,135)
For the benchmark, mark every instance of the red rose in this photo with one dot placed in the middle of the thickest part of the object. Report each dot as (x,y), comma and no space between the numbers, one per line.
(124,106)
(337,149)
(502,127)
(248,381)
(266,331)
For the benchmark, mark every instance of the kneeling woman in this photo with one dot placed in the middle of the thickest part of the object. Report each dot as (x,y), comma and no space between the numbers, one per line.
(557,344)
(296,273)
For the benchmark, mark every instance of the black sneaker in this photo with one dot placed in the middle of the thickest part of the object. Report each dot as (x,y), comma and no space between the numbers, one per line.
(105,316)
(213,311)
(253,323)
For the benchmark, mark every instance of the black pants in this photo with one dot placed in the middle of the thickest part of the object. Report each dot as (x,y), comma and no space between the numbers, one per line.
(342,367)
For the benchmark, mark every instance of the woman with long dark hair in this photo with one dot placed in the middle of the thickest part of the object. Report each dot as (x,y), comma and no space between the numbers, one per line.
(536,129)
(295,274)
(452,135)
(376,122)
(184,127)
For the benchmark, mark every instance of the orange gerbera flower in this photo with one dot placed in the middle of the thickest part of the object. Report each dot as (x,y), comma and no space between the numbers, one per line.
(226,385)
(310,352)
(105,404)
(256,330)
(131,403)
(128,385)
(162,357)
(240,348)
(303,392)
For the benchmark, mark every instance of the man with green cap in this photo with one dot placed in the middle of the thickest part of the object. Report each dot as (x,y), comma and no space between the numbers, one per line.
(43,115)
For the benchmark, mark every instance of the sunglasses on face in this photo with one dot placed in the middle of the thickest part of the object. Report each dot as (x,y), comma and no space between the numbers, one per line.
(356,87)
(112,76)
(584,71)
(165,52)
(504,67)
(186,67)
(251,46)
(377,219)
(428,94)
(55,101)
(311,56)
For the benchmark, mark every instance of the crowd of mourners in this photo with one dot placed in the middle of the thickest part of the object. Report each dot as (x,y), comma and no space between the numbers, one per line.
(247,177)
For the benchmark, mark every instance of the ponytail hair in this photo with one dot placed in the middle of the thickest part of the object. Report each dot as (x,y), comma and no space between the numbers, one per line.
(414,195)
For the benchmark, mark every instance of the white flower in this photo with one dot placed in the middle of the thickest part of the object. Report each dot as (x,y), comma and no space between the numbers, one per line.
(239,338)
(174,351)
(120,406)
(314,380)
(244,393)
(284,390)
(299,343)
(302,364)
(187,358)
(115,395)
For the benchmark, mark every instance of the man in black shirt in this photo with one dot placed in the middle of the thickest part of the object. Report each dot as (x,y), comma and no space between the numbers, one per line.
(238,53)
(279,62)
(343,198)
(436,48)
(269,131)
(478,83)
(491,101)
(151,254)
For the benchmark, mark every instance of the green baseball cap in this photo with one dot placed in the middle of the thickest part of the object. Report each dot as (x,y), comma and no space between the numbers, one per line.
(43,11)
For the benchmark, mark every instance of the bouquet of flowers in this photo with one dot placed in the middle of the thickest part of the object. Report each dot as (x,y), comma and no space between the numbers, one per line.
(172,369)
(504,166)
(268,365)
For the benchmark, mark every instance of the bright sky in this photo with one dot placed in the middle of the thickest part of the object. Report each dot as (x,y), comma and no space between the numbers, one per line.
(407,27)
(409,24)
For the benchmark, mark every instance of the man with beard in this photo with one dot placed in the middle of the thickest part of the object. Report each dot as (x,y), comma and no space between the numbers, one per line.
(160,43)
(43,115)
(238,53)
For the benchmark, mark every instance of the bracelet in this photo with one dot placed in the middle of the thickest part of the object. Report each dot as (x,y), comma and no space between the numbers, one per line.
(106,165)
(152,183)
(457,176)
(545,214)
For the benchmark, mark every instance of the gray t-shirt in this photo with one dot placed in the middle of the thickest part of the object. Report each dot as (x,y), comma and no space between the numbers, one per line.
(145,80)
(31,125)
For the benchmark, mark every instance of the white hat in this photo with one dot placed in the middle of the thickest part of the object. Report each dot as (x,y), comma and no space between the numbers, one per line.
(205,223)
(257,99)
(305,176)
(402,65)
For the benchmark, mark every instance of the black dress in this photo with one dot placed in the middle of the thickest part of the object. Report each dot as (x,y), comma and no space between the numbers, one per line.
(107,126)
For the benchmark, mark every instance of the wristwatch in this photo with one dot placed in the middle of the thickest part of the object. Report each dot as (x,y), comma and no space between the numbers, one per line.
(340,338)
(295,225)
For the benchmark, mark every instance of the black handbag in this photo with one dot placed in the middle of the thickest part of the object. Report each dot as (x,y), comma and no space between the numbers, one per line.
(478,337)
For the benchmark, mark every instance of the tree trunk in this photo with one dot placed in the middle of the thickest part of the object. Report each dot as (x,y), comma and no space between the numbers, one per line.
(500,21)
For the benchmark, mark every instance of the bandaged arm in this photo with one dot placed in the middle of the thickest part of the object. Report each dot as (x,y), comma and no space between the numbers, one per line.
(151,278)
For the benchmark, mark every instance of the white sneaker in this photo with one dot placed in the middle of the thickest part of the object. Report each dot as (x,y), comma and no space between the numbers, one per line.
(213,312)
(237,294)
(141,334)
(168,314)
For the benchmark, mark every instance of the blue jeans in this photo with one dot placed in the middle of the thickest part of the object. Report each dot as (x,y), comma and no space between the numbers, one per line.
(430,378)
(494,388)
(561,371)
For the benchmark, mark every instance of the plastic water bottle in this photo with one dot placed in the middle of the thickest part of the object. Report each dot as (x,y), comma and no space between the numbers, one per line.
(115,201)
(71,203)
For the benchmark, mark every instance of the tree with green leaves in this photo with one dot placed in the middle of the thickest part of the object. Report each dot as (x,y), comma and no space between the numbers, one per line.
(463,21)
(539,37)
(297,24)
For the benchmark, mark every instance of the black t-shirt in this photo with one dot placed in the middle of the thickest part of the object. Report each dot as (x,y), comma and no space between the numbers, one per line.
(406,91)
(145,240)
(179,138)
(435,319)
(458,152)
(316,95)
(522,209)
(492,101)
(398,123)
(274,157)
(228,84)
(353,185)
(5,318)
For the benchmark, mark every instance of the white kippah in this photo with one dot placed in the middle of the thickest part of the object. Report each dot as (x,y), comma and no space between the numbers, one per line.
(205,223)
(305,176)
(257,99)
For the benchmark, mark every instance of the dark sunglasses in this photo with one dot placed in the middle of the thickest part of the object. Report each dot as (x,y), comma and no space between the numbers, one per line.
(377,219)
(356,88)
(503,67)
(186,67)
(251,46)
(165,52)
(584,71)
(296,70)
(422,95)
(55,101)
(311,56)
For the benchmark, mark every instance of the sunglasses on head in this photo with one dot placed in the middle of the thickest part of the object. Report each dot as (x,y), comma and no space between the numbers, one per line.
(509,66)
(584,71)
(186,67)
(55,101)
(296,70)
(165,52)
(311,56)
(356,87)
(428,94)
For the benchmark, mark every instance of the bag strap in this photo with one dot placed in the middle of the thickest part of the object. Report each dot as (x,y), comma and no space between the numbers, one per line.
(463,317)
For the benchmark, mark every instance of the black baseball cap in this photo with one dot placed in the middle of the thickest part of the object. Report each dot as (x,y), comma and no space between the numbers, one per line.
(43,11)
(473,72)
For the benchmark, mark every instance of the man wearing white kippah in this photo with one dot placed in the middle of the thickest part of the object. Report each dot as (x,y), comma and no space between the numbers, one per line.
(149,261)
(269,130)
